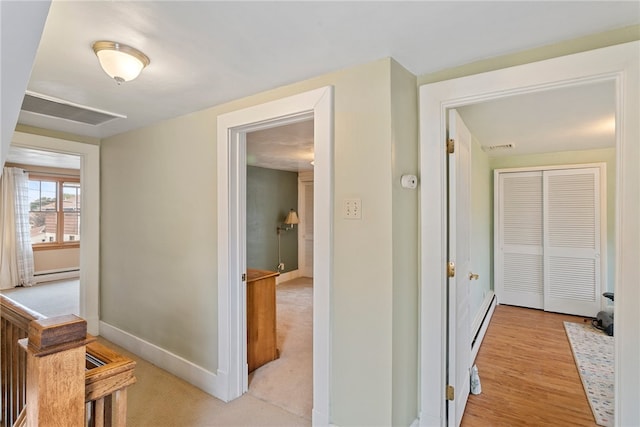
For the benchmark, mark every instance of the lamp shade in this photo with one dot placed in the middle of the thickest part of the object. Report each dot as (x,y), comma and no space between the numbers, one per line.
(292,218)
(121,62)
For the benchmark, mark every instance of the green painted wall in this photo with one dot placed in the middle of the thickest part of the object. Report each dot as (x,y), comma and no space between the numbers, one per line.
(481,227)
(158,276)
(270,195)
(606,155)
(406,281)
(57,134)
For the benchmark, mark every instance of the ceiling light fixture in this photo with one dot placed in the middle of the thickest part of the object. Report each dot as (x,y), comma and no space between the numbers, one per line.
(121,62)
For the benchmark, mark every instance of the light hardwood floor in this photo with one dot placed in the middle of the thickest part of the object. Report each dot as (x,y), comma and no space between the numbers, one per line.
(528,374)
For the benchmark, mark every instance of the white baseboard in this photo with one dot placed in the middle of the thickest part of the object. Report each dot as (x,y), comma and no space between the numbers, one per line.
(319,419)
(484,307)
(289,275)
(484,323)
(178,366)
(415,423)
(49,276)
(429,421)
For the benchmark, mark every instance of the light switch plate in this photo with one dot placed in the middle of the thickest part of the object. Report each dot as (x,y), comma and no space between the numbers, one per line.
(352,209)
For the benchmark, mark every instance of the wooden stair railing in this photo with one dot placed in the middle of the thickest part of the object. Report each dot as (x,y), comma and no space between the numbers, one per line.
(56,349)
(14,325)
(107,374)
(107,378)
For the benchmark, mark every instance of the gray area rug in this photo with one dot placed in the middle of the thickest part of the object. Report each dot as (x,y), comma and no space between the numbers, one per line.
(593,353)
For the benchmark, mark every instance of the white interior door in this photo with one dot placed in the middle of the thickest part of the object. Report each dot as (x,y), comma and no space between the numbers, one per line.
(572,243)
(518,237)
(459,337)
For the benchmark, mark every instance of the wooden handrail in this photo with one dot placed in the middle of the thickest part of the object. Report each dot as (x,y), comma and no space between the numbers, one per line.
(107,374)
(21,421)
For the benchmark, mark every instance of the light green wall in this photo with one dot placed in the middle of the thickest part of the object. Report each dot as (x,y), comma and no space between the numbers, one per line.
(57,134)
(159,252)
(606,155)
(270,195)
(158,236)
(566,47)
(362,294)
(404,155)
(481,227)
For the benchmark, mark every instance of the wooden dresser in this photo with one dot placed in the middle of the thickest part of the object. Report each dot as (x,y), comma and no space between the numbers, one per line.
(261,317)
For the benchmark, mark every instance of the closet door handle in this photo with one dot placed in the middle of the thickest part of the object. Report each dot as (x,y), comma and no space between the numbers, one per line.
(473,276)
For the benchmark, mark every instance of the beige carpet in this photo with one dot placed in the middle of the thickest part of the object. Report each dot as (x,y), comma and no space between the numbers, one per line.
(287,382)
(280,392)
(160,399)
(49,298)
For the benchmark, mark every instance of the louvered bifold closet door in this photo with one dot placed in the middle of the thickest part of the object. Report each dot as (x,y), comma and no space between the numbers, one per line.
(572,241)
(519,264)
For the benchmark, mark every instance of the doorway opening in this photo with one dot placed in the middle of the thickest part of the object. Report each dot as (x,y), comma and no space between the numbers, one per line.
(89,156)
(232,333)
(279,240)
(567,131)
(618,64)
(54,198)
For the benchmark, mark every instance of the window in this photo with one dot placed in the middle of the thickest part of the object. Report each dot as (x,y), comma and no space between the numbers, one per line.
(54,211)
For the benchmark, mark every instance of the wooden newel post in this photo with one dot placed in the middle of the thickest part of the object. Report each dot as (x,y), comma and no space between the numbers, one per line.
(56,364)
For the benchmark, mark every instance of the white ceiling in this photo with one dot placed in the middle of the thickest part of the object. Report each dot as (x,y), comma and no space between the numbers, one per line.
(205,53)
(288,148)
(567,119)
(28,156)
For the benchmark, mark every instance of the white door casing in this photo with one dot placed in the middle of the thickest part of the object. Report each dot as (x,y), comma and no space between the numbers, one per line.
(316,104)
(90,221)
(460,254)
(305,229)
(619,63)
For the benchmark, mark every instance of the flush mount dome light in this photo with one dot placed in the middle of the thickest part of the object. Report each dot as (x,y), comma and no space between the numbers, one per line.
(121,62)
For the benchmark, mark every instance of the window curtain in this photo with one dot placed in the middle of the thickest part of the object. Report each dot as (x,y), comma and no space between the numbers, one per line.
(16,254)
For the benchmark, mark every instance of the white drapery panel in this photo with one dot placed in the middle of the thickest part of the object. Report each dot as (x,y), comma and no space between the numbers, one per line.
(16,254)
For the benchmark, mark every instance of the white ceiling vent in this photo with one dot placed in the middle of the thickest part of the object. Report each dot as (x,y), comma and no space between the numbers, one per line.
(53,107)
(497,147)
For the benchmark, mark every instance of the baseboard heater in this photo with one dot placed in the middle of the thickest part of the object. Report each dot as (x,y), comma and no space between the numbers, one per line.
(51,275)
(482,322)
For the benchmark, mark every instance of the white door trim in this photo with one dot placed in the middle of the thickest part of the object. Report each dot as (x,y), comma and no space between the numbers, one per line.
(618,63)
(90,210)
(305,180)
(318,104)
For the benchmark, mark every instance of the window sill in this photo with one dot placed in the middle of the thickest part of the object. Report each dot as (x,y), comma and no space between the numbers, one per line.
(50,246)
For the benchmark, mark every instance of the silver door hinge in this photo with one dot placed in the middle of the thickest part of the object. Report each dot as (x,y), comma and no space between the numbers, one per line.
(244,277)
(451,145)
(450,392)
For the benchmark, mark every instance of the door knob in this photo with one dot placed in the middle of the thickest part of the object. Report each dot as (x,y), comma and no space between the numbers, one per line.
(473,276)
